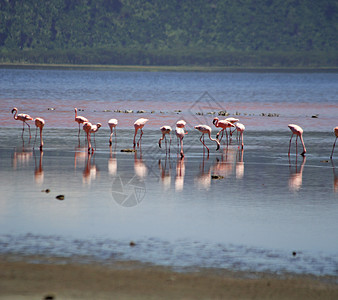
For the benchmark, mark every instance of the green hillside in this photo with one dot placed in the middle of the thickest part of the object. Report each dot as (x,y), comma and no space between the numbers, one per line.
(245,33)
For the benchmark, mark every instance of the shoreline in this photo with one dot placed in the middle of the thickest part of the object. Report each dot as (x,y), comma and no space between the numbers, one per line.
(22,279)
(140,68)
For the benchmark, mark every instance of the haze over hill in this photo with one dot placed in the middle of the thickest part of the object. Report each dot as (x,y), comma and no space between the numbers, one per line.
(247,33)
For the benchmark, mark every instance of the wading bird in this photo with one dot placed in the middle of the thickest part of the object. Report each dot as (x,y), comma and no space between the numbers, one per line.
(206,129)
(165,130)
(139,124)
(232,120)
(95,129)
(39,123)
(298,131)
(180,133)
(87,127)
(240,129)
(80,120)
(112,124)
(335,130)
(24,118)
(224,124)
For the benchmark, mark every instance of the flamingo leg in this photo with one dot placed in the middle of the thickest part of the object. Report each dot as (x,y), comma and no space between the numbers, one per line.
(41,141)
(202,136)
(79,131)
(334,145)
(139,140)
(36,132)
(296,145)
(136,129)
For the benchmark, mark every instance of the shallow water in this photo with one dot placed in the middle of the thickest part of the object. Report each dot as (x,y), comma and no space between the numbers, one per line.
(267,213)
(264,209)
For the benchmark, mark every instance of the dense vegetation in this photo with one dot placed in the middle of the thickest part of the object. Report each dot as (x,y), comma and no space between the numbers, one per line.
(273,33)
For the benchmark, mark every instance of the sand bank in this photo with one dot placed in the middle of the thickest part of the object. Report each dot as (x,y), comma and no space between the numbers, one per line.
(21,279)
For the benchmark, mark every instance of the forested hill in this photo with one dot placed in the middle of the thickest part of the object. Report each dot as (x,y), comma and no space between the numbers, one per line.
(246,33)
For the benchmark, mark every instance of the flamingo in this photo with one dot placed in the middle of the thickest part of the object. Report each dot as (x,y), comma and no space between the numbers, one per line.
(79,120)
(39,123)
(206,129)
(233,121)
(298,131)
(240,128)
(335,130)
(224,124)
(24,118)
(165,130)
(87,127)
(112,124)
(180,133)
(139,124)
(95,129)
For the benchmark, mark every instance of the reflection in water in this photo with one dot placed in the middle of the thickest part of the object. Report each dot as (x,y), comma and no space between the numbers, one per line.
(180,172)
(22,157)
(296,177)
(112,162)
(239,164)
(38,173)
(165,173)
(140,168)
(335,178)
(203,179)
(80,155)
(224,166)
(90,171)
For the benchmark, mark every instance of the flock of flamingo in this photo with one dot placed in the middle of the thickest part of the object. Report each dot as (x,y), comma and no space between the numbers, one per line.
(231,123)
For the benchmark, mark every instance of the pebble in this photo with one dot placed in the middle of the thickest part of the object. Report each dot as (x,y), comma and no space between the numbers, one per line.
(132,244)
(141,111)
(60,197)
(128,150)
(217,177)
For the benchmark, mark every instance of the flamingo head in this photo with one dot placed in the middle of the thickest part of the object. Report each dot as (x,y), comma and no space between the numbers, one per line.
(99,125)
(215,121)
(14,109)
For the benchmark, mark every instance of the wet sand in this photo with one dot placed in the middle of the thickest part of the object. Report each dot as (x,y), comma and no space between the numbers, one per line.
(21,279)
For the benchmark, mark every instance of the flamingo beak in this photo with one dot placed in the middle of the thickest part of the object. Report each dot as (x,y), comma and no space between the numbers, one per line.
(159,143)
(217,147)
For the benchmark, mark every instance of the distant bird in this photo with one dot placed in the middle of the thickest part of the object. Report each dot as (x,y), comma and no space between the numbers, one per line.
(335,130)
(240,129)
(224,124)
(95,129)
(139,124)
(205,129)
(165,130)
(112,124)
(39,123)
(180,133)
(24,118)
(298,131)
(79,119)
(87,127)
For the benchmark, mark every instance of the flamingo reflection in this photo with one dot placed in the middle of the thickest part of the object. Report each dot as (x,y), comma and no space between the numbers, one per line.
(90,171)
(23,157)
(203,179)
(80,155)
(296,177)
(112,162)
(239,164)
(38,172)
(165,173)
(335,178)
(224,166)
(140,168)
(180,173)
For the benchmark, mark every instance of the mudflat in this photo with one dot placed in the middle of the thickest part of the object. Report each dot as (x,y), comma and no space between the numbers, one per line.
(21,279)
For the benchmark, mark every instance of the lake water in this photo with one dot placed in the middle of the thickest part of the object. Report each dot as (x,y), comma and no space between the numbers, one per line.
(268,212)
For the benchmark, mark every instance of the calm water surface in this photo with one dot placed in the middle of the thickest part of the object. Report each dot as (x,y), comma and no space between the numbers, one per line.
(265,207)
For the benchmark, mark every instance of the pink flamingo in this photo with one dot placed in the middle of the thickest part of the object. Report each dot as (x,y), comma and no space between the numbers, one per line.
(240,128)
(335,130)
(95,129)
(39,123)
(79,119)
(224,124)
(298,131)
(232,120)
(165,130)
(206,129)
(139,124)
(24,118)
(112,124)
(87,127)
(180,133)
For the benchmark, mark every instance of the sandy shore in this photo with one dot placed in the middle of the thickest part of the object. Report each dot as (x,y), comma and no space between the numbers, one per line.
(21,279)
